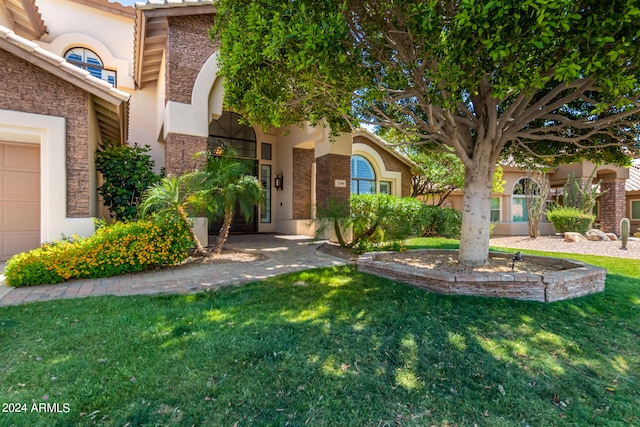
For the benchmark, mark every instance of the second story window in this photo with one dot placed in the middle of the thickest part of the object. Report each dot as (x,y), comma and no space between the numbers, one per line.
(90,61)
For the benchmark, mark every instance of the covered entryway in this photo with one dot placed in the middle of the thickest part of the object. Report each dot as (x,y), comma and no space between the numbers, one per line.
(229,131)
(19,198)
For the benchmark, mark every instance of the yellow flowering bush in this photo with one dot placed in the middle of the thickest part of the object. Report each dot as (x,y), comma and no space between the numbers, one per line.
(122,247)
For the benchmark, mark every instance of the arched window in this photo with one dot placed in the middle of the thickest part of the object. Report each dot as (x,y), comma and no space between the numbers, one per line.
(229,131)
(363,177)
(90,61)
(521,188)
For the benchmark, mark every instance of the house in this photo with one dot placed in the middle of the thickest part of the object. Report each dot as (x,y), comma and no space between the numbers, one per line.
(77,72)
(508,209)
(632,190)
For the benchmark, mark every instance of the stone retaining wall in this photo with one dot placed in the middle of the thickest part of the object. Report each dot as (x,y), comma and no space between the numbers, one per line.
(574,280)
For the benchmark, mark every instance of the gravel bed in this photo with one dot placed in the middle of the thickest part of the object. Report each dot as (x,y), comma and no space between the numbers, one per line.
(558,244)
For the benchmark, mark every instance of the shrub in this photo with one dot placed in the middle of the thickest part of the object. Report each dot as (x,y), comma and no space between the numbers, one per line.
(380,218)
(122,247)
(127,172)
(567,219)
(433,221)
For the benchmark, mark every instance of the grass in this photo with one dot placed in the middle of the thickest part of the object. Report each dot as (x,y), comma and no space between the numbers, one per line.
(327,347)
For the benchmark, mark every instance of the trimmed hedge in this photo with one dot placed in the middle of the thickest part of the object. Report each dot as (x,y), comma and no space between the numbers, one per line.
(380,218)
(567,219)
(122,247)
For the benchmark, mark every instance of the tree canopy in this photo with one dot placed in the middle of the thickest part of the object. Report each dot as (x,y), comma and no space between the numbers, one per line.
(551,80)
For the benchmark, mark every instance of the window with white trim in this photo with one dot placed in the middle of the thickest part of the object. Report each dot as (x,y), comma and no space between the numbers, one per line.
(90,61)
(519,199)
(495,209)
(635,209)
(363,176)
(385,187)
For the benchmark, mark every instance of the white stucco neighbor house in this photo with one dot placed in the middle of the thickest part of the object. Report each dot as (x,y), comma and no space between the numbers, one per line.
(77,72)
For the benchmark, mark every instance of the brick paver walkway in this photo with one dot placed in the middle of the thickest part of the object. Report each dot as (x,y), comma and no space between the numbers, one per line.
(283,254)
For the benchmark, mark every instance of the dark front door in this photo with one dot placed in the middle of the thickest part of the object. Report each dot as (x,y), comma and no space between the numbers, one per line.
(240,224)
(231,131)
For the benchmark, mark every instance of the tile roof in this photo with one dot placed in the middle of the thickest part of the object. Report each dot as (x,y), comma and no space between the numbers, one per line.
(111,104)
(158,4)
(151,29)
(633,182)
(26,17)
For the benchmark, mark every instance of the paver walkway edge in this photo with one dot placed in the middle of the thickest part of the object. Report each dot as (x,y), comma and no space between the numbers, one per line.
(282,254)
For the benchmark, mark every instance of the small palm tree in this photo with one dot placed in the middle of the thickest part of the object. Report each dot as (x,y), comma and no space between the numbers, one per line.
(177,196)
(231,184)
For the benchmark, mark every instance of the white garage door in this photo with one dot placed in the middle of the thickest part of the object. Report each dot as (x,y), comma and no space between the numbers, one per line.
(19,198)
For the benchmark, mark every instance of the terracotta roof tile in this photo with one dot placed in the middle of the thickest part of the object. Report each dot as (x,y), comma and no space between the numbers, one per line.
(633,182)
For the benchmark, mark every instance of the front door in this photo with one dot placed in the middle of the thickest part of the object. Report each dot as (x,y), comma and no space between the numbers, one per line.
(240,224)
(231,131)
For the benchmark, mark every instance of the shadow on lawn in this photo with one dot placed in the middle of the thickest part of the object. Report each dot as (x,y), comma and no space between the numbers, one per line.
(335,347)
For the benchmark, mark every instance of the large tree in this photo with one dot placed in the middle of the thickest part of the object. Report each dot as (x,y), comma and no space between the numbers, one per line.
(550,78)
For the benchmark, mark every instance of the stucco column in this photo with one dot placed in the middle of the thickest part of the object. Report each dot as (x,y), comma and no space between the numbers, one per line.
(612,206)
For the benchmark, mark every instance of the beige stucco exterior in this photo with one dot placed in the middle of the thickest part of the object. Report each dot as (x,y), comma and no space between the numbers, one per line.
(167,93)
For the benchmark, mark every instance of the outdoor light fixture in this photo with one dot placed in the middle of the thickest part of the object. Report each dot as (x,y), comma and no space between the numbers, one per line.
(516,257)
(279,181)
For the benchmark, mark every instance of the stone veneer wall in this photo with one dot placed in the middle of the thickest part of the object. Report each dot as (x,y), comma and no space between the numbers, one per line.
(302,165)
(391,163)
(188,48)
(329,168)
(574,279)
(612,206)
(30,89)
(179,151)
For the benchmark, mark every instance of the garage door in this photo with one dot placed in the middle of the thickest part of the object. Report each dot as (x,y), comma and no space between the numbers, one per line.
(19,198)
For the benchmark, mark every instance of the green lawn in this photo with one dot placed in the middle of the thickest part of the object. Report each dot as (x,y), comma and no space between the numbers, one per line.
(327,347)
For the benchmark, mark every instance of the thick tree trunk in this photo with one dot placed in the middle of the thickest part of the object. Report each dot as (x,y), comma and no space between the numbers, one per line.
(476,215)
(224,232)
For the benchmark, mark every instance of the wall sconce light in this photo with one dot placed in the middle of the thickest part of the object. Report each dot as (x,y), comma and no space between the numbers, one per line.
(279,181)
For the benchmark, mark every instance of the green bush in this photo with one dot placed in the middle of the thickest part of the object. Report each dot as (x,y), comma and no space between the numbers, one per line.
(433,221)
(122,247)
(568,219)
(378,218)
(127,171)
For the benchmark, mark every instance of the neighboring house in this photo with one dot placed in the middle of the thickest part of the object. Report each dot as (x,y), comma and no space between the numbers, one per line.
(632,188)
(508,209)
(76,72)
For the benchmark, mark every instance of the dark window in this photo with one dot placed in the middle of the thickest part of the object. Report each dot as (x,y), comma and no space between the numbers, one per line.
(229,131)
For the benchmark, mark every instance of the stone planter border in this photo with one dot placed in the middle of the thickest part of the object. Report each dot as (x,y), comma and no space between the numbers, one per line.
(575,279)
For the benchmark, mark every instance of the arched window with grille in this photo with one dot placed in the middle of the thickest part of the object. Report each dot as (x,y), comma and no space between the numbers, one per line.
(363,176)
(519,198)
(90,61)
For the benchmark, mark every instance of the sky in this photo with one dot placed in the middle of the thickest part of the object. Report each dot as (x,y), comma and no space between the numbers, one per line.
(124,2)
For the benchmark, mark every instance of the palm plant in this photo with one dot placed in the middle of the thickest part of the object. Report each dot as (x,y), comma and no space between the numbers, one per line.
(231,186)
(179,197)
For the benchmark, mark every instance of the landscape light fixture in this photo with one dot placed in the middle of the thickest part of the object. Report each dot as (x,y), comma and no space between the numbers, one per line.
(516,257)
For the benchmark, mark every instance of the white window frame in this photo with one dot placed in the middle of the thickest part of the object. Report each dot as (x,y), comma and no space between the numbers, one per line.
(499,209)
(109,76)
(631,202)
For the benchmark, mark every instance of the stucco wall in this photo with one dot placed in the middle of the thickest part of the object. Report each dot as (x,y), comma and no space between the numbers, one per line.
(27,88)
